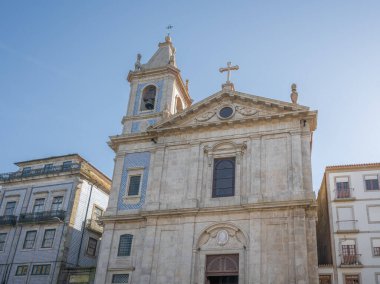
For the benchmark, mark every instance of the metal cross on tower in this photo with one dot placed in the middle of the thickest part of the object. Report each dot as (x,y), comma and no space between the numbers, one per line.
(229,68)
(169,28)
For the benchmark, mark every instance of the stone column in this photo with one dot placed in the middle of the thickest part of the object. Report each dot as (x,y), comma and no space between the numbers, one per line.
(104,253)
(154,185)
(301,257)
(148,251)
(115,188)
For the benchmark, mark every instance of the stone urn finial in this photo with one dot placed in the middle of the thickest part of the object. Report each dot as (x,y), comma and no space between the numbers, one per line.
(294,94)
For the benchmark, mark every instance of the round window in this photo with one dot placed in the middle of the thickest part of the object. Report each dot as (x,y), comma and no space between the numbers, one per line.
(226,112)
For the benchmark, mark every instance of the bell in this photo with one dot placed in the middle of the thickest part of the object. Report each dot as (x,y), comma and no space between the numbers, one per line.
(149,104)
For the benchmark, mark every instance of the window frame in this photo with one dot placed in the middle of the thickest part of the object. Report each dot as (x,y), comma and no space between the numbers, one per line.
(66,165)
(128,253)
(45,239)
(365,183)
(94,208)
(94,248)
(134,172)
(373,247)
(214,178)
(25,240)
(2,248)
(14,208)
(43,268)
(34,205)
(23,273)
(61,204)
(116,274)
(368,216)
(351,274)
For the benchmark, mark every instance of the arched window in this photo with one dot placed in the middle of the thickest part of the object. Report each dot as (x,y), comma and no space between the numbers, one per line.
(125,245)
(224,177)
(178,104)
(148,98)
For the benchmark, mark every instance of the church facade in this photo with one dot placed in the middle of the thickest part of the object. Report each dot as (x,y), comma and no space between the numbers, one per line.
(214,192)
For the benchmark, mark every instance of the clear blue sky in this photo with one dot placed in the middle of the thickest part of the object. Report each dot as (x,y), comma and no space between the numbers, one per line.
(63,66)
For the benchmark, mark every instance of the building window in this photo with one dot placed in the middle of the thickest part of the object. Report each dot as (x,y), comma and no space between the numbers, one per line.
(134,185)
(125,245)
(48,168)
(91,246)
(48,238)
(148,98)
(30,238)
(342,187)
(10,208)
(324,279)
(57,203)
(41,269)
(67,165)
(39,205)
(371,182)
(21,270)
(351,279)
(376,247)
(349,255)
(96,213)
(120,278)
(3,237)
(26,171)
(224,177)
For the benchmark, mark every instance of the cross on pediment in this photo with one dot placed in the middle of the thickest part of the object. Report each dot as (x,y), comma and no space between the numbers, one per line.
(228,69)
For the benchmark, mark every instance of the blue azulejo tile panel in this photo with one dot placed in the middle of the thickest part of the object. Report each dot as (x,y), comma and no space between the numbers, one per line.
(139,90)
(134,160)
(135,127)
(152,122)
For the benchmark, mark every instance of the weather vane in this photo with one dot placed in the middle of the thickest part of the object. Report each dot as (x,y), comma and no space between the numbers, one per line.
(169,28)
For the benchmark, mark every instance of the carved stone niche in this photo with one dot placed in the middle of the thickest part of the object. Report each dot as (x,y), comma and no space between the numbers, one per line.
(222,235)
(225,149)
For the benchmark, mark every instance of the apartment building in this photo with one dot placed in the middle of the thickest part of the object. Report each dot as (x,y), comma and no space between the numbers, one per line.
(48,220)
(348,228)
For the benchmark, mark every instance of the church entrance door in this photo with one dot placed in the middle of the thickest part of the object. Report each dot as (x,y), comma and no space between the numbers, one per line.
(222,269)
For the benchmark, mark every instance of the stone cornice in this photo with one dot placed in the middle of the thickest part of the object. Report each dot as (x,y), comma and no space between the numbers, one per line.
(246,208)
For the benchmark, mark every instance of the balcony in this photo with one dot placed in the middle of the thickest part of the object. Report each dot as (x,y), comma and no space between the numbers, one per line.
(347,226)
(8,220)
(19,175)
(43,217)
(350,260)
(344,194)
(93,225)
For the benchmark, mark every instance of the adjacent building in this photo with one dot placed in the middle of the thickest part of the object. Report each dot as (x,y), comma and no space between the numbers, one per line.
(349,224)
(48,220)
(214,192)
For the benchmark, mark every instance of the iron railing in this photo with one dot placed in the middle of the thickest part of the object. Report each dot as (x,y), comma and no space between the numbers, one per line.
(93,225)
(350,259)
(347,225)
(8,220)
(343,193)
(40,171)
(40,217)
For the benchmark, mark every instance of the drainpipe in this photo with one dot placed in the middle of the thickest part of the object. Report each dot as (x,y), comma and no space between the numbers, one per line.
(83,226)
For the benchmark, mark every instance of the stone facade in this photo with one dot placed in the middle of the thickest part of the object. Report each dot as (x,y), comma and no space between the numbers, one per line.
(68,189)
(178,226)
(348,224)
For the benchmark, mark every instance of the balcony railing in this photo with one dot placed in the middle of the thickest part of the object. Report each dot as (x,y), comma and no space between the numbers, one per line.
(343,193)
(40,217)
(350,259)
(347,226)
(93,225)
(8,220)
(39,172)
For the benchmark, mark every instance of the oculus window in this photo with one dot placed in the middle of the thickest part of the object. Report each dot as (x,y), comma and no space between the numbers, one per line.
(224,177)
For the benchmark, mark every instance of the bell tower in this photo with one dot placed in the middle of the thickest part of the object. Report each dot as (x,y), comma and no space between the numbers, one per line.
(157,90)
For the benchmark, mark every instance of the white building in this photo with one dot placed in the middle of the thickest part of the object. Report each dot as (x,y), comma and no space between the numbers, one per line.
(349,224)
(215,192)
(48,213)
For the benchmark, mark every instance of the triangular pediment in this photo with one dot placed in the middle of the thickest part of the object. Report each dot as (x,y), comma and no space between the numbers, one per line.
(240,106)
